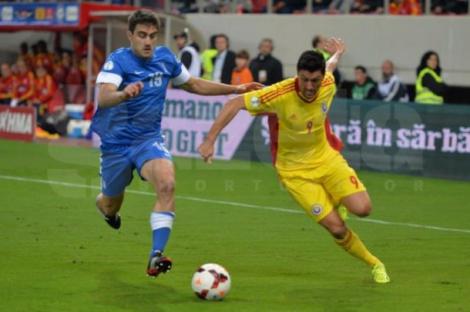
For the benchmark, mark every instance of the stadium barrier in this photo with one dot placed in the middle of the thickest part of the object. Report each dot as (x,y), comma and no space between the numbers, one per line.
(188,117)
(410,138)
(17,123)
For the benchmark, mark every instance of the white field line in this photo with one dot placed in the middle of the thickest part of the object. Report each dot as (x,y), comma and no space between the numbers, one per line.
(230,203)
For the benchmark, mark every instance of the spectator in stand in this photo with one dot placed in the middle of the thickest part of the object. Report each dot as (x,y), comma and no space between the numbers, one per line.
(23,90)
(265,68)
(405,7)
(47,96)
(364,87)
(25,55)
(339,7)
(450,7)
(50,105)
(80,47)
(62,67)
(242,74)
(186,6)
(390,89)
(367,7)
(44,58)
(259,6)
(289,6)
(224,61)
(75,88)
(321,6)
(7,83)
(430,88)
(206,59)
(188,54)
(83,66)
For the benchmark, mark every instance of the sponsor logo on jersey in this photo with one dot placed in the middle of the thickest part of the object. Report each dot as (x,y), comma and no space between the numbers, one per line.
(324,107)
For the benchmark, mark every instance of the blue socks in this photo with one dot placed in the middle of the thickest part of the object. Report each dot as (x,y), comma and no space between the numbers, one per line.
(161,223)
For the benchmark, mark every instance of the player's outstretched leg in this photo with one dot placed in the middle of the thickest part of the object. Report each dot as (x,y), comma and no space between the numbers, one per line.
(352,244)
(360,205)
(109,207)
(160,173)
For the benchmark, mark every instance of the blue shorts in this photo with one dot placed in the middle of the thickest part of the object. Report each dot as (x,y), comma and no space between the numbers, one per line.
(117,163)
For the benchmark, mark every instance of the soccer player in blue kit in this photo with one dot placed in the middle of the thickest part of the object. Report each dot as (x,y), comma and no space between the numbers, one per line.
(131,95)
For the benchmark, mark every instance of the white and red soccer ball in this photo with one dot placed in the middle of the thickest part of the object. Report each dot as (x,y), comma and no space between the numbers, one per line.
(211,282)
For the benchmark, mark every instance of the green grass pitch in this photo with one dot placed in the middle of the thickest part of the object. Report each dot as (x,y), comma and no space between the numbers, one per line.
(56,253)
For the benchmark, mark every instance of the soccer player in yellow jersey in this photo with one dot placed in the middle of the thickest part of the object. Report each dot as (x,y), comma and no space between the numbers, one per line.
(308,164)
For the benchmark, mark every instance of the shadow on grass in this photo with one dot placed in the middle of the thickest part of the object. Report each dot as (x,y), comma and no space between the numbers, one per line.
(145,295)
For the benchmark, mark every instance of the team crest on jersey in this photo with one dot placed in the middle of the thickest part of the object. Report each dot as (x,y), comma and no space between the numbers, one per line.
(324,107)
(317,209)
(255,101)
(109,65)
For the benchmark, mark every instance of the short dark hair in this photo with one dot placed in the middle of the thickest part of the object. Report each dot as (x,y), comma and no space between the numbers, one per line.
(243,54)
(311,61)
(143,16)
(361,68)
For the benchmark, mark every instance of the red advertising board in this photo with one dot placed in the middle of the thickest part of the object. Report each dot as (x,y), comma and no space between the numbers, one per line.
(17,123)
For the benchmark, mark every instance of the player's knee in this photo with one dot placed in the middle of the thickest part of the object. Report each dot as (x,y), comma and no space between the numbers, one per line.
(363,209)
(166,186)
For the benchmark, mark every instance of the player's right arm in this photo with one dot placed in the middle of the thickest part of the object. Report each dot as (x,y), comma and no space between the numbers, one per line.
(228,112)
(108,94)
(110,79)
(255,102)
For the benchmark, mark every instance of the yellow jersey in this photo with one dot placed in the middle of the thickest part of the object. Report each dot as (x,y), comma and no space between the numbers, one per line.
(304,139)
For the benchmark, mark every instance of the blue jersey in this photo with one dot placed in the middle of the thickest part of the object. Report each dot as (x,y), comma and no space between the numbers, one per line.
(138,118)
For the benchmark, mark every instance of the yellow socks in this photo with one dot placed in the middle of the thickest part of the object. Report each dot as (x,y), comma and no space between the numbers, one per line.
(353,245)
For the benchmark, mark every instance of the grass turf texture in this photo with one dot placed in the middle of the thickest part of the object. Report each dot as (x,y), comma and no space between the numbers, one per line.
(57,254)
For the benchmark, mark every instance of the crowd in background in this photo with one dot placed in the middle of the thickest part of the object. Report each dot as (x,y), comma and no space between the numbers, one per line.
(396,7)
(48,80)
(220,63)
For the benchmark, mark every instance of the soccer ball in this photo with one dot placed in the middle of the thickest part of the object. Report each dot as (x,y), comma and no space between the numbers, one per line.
(211,282)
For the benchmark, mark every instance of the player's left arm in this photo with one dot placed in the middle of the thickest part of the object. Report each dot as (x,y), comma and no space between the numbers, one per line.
(181,77)
(337,48)
(206,87)
(228,112)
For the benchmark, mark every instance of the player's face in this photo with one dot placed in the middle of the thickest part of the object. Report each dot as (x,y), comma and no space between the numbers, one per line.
(143,40)
(309,83)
